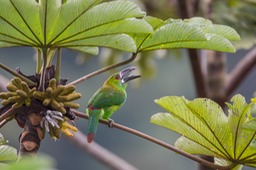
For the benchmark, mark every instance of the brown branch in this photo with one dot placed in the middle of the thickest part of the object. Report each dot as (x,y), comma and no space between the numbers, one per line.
(199,79)
(237,75)
(216,76)
(4,122)
(7,114)
(28,81)
(103,155)
(186,11)
(104,69)
(157,141)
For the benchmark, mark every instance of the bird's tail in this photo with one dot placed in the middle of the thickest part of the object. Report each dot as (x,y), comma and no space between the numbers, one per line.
(94,116)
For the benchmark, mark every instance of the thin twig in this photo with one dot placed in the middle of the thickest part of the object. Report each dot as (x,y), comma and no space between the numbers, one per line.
(157,141)
(104,69)
(17,75)
(240,71)
(4,122)
(7,114)
(103,155)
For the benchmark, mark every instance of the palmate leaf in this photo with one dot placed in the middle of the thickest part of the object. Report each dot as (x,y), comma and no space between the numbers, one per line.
(198,125)
(190,33)
(206,130)
(77,24)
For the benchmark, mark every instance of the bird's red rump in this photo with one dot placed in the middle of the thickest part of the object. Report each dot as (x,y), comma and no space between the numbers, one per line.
(90,137)
(91,108)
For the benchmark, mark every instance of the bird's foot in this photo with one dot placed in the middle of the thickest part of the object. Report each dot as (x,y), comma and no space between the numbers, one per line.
(110,123)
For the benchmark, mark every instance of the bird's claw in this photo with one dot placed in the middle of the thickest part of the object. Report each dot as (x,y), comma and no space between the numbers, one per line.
(110,123)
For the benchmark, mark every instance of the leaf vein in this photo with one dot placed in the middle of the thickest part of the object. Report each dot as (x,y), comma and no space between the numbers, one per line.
(20,31)
(211,130)
(72,21)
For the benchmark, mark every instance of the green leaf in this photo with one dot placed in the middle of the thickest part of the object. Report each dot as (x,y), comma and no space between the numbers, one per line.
(190,146)
(121,42)
(154,22)
(196,120)
(241,137)
(173,33)
(7,153)
(2,140)
(240,16)
(206,130)
(39,163)
(117,27)
(251,125)
(16,29)
(224,162)
(208,27)
(190,33)
(53,24)
(89,50)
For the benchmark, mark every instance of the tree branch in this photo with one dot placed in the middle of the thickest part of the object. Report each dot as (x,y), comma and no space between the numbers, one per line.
(17,75)
(7,114)
(103,70)
(2,123)
(186,11)
(199,79)
(240,71)
(103,155)
(156,141)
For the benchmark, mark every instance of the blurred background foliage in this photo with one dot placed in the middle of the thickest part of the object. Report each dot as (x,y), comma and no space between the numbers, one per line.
(163,73)
(240,15)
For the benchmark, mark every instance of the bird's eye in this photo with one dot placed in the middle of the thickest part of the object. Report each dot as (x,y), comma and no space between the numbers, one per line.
(117,77)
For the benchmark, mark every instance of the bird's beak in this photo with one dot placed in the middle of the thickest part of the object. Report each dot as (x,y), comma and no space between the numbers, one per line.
(126,76)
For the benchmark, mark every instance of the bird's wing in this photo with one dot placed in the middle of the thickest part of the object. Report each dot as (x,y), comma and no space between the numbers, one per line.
(107,96)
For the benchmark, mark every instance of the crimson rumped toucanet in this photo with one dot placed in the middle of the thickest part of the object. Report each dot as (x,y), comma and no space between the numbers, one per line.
(108,99)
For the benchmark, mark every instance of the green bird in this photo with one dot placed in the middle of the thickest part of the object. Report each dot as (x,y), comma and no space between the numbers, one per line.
(108,99)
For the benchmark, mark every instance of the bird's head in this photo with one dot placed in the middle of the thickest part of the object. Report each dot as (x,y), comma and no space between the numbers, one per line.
(122,77)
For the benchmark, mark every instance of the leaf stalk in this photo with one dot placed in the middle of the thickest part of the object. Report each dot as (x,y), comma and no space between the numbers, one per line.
(104,69)
(58,65)
(28,81)
(43,73)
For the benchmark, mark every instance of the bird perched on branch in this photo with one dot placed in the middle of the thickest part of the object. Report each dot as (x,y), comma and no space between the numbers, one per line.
(108,99)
